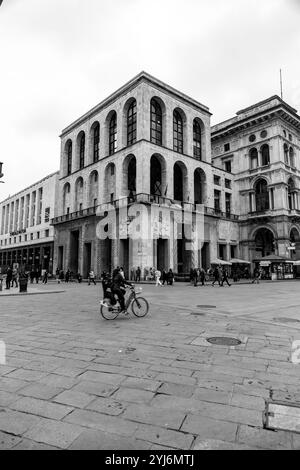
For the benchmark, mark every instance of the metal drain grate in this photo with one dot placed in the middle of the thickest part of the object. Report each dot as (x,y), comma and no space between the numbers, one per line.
(198,313)
(285,417)
(224,341)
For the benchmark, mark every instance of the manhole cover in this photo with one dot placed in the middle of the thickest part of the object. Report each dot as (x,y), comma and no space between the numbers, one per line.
(198,313)
(206,306)
(286,320)
(223,341)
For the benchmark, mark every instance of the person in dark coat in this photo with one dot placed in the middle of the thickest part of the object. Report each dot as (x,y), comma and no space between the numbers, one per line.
(164,277)
(216,276)
(202,276)
(8,277)
(138,274)
(224,277)
(118,287)
(170,277)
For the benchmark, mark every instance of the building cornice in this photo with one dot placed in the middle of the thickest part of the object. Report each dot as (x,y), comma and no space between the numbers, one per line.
(142,77)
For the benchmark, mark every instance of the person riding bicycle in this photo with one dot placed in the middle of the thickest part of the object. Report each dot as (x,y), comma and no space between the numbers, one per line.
(118,287)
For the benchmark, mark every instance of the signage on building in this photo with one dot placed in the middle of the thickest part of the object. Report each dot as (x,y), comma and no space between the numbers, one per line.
(17,232)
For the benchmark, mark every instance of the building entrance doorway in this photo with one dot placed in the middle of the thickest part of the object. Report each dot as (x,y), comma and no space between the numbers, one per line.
(87,258)
(60,258)
(264,242)
(74,247)
(162,254)
(124,256)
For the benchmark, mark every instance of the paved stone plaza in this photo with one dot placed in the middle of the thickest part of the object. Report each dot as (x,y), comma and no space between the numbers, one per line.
(73,380)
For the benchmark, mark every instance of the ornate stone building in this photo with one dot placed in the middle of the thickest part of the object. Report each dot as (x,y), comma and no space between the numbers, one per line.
(260,147)
(145,144)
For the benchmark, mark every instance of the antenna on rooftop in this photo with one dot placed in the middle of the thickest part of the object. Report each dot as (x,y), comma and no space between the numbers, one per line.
(281,95)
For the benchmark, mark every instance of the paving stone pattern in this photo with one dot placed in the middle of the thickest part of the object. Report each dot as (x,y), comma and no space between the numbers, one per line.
(75,381)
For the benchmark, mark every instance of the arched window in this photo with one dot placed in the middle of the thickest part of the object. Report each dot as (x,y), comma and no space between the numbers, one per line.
(79,194)
(96,142)
(131,123)
(66,198)
(286,153)
(253,158)
(113,134)
(81,150)
(93,189)
(177,132)
(291,194)
(69,157)
(261,196)
(155,122)
(292,161)
(197,139)
(265,155)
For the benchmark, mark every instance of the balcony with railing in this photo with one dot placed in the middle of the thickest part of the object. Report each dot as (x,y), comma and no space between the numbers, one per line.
(142,198)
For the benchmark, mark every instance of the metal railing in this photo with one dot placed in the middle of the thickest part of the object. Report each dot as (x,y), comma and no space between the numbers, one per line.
(141,198)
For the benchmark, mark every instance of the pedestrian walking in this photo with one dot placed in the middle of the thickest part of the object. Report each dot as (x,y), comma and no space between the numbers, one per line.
(79,278)
(91,278)
(8,277)
(57,275)
(67,275)
(45,277)
(32,275)
(164,277)
(14,277)
(138,274)
(216,275)
(157,278)
(170,277)
(122,273)
(224,277)
(202,276)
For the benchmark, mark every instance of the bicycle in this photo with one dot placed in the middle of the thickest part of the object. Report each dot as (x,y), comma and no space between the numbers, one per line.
(139,306)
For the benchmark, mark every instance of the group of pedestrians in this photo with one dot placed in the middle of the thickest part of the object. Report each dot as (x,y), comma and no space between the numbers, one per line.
(12,276)
(197,275)
(220,275)
(165,276)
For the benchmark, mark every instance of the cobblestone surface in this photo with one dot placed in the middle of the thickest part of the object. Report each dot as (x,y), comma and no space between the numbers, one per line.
(73,380)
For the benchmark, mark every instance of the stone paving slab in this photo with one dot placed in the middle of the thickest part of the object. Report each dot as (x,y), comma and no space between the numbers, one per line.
(74,380)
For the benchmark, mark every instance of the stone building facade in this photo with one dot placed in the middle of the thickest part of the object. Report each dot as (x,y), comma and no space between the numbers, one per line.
(26,236)
(261,147)
(146,144)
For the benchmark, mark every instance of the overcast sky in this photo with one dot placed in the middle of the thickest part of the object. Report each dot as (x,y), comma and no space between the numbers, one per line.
(59,58)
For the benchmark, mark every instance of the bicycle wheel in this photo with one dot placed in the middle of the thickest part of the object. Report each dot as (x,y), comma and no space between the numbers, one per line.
(140,307)
(109,313)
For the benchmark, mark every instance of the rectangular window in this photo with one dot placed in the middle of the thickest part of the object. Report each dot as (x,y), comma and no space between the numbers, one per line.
(47,214)
(31,236)
(227,184)
(33,203)
(15,239)
(95,202)
(228,166)
(40,204)
(228,204)
(112,170)
(22,214)
(46,233)
(217,195)
(37,234)
(222,251)
(25,237)
(20,238)
(232,251)
(226,147)
(217,180)
(111,197)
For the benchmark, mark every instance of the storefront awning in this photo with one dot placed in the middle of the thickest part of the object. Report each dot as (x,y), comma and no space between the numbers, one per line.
(274,259)
(239,261)
(221,261)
